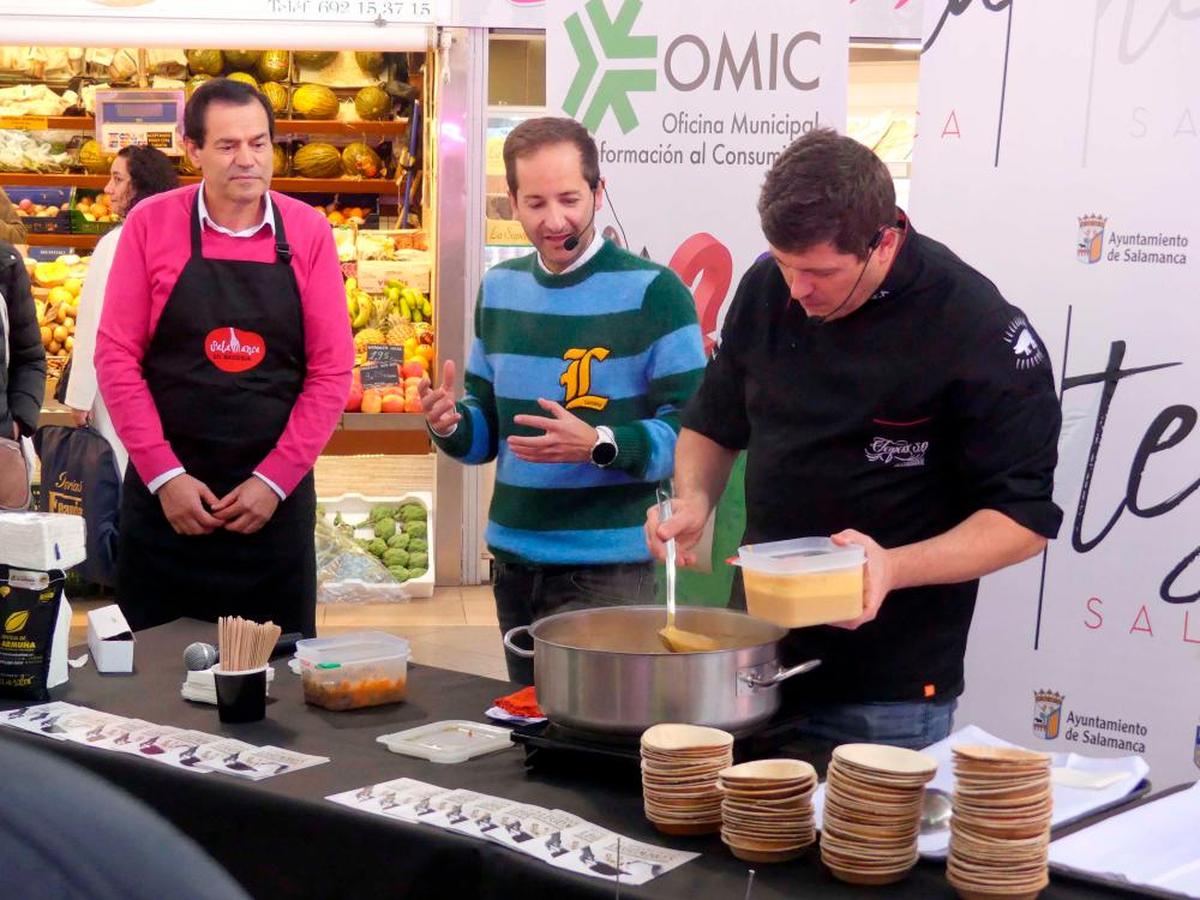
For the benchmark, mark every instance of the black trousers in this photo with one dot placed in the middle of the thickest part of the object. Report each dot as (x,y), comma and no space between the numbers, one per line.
(525,594)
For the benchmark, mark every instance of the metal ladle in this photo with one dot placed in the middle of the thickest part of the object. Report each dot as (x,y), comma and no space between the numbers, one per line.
(935,811)
(676,639)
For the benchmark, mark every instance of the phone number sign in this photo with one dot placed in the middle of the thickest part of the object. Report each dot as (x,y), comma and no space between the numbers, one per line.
(421,12)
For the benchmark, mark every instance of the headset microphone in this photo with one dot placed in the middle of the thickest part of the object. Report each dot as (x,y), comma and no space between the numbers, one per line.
(573,240)
(871,247)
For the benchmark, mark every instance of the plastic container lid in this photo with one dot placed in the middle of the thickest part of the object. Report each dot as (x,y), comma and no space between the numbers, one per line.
(451,741)
(354,647)
(799,556)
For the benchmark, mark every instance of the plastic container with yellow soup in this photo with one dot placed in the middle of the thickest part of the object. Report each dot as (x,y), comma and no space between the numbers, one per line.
(807,581)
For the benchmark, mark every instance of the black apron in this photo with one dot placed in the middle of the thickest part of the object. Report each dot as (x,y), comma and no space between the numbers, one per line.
(225,367)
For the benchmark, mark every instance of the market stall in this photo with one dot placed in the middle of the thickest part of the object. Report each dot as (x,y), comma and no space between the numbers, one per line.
(356,103)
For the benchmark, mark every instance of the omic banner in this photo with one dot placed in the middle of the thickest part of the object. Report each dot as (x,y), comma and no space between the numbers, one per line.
(689,106)
(1056,144)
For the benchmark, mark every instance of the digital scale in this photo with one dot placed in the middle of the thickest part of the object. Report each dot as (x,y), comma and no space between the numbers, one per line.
(129,117)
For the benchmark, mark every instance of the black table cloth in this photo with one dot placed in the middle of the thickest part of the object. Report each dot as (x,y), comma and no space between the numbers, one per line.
(281,838)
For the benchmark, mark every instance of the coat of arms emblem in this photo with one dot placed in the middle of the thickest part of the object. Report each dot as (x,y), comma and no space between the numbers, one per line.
(1047,714)
(1090,244)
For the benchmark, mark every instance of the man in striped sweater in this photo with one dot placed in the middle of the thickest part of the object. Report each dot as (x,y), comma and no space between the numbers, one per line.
(582,358)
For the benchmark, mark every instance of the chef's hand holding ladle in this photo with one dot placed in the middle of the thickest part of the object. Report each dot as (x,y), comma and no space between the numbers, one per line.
(676,639)
(688,516)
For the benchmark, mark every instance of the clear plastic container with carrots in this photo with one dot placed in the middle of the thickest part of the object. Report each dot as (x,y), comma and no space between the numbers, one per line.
(354,670)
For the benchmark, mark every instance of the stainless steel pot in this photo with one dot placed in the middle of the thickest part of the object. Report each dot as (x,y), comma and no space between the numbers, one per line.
(605,670)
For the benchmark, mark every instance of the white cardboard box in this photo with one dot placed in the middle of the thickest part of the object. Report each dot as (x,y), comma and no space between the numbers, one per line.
(110,639)
(59,671)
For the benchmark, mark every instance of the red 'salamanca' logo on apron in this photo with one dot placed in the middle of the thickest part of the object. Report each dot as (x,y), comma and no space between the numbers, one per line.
(234,350)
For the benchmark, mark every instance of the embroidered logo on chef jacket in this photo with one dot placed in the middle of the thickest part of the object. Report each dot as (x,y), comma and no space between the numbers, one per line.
(577,379)
(899,454)
(233,350)
(1025,345)
(1196,752)
(1047,714)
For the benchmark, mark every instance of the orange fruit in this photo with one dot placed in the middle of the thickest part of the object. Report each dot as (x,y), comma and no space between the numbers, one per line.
(372,401)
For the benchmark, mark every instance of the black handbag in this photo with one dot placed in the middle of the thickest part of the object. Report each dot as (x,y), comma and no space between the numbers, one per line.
(14,476)
(60,389)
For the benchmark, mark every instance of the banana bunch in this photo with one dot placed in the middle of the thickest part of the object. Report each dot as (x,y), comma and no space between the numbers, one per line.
(410,302)
(415,305)
(358,304)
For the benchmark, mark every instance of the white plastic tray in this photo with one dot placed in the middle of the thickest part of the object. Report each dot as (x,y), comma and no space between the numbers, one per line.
(354,509)
(451,741)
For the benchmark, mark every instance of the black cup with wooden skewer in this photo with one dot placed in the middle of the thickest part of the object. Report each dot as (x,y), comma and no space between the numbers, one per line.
(241,676)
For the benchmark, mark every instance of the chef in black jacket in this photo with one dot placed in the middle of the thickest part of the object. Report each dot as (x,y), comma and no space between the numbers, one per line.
(887,395)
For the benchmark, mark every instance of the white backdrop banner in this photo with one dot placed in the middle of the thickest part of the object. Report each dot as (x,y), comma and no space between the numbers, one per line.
(887,19)
(690,104)
(1059,153)
(499,13)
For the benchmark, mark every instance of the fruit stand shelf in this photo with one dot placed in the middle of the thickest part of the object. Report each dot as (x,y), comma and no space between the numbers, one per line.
(389,128)
(286,185)
(383,421)
(57,414)
(63,239)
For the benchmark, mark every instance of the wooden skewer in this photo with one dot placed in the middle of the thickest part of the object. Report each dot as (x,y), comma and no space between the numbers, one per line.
(244,644)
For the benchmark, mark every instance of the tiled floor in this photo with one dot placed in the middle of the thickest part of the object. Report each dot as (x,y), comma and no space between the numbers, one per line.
(454,629)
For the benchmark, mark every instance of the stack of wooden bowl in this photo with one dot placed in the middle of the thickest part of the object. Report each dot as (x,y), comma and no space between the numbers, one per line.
(767,813)
(873,799)
(679,777)
(1000,830)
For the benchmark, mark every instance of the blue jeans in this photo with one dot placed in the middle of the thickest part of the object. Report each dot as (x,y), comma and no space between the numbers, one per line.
(913,724)
(525,594)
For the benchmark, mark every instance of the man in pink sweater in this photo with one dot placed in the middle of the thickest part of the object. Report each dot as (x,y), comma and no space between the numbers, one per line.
(224,356)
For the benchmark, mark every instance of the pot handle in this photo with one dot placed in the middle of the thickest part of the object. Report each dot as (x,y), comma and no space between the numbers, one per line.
(508,641)
(754,681)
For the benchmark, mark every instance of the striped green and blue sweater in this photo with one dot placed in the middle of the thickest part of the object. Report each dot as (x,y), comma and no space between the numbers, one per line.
(615,342)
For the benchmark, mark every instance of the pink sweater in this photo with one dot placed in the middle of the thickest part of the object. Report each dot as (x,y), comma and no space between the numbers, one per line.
(153,249)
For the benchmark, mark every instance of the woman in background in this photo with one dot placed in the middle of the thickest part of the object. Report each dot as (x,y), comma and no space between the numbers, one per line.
(137,173)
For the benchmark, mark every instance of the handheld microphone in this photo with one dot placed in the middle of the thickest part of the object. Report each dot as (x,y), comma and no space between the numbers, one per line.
(573,241)
(199,656)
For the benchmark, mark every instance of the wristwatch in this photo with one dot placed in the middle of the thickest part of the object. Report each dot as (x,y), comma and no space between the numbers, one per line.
(604,451)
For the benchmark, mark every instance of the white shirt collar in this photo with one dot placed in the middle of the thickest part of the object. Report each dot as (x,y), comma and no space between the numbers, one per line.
(205,219)
(582,260)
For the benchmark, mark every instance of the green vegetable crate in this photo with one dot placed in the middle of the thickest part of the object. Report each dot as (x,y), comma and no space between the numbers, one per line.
(397,530)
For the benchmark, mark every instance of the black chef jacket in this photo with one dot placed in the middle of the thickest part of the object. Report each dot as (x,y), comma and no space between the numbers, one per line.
(931,401)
